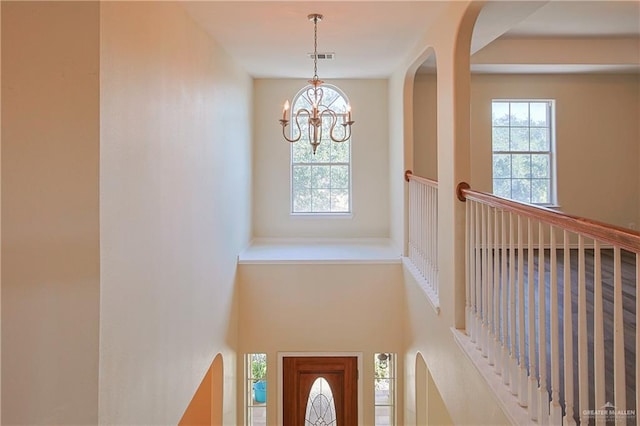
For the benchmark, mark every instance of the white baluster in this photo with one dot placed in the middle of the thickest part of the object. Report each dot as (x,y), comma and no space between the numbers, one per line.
(567,316)
(478,275)
(485,291)
(491,286)
(583,367)
(467,263)
(471,270)
(497,351)
(637,335)
(523,396)
(619,379)
(555,417)
(543,393)
(512,293)
(598,332)
(533,382)
(434,231)
(504,312)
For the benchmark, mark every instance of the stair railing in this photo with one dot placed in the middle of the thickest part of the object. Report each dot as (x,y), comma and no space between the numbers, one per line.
(551,304)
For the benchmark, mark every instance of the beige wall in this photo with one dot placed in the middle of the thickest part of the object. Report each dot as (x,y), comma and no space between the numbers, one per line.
(321,308)
(369,147)
(597,138)
(50,239)
(175,196)
(456,392)
(425,126)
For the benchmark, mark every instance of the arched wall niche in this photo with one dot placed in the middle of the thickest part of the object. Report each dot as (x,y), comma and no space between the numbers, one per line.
(425,118)
(206,406)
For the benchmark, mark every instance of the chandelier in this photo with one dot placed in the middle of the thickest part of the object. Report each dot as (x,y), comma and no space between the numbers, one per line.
(312,119)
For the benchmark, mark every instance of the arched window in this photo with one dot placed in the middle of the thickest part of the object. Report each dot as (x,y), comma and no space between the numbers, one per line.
(321,183)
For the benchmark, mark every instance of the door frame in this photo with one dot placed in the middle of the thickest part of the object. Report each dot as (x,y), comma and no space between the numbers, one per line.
(358,355)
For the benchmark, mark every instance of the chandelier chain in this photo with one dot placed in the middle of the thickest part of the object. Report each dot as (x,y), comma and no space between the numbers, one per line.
(315,48)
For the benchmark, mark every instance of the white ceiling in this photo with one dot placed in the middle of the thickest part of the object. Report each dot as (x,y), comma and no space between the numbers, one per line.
(271,39)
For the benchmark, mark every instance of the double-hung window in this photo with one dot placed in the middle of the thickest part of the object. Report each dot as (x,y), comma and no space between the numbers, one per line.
(321,183)
(523,150)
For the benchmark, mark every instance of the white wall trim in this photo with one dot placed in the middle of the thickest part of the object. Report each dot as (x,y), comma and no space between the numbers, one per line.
(516,414)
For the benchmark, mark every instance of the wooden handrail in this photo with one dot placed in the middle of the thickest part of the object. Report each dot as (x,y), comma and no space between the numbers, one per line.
(617,236)
(408,175)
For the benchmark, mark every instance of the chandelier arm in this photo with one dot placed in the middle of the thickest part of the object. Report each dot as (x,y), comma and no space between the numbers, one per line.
(334,122)
(297,121)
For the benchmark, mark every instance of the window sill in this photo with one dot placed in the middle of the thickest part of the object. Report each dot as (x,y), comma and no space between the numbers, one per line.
(330,216)
(320,250)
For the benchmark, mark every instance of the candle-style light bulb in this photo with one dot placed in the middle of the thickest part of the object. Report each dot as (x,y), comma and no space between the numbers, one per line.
(348,112)
(285,109)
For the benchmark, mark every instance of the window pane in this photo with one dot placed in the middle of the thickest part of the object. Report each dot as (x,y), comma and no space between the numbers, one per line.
(521,165)
(301,200)
(258,416)
(301,152)
(321,176)
(501,165)
(340,152)
(500,139)
(502,187)
(519,139)
(329,98)
(519,114)
(323,153)
(340,200)
(384,416)
(500,113)
(340,177)
(540,167)
(521,190)
(321,200)
(301,177)
(538,111)
(383,392)
(540,139)
(541,191)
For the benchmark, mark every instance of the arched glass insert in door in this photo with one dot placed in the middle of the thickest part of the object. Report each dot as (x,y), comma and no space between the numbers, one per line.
(321,409)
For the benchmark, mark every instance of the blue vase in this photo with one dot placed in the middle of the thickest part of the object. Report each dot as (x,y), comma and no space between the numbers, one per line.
(260,391)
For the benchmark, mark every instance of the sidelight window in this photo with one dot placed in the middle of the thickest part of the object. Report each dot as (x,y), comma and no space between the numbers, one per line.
(256,389)
(385,388)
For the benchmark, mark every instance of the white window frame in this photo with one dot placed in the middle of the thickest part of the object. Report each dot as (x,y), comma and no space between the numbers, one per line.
(551,153)
(293,130)
(248,383)
(393,383)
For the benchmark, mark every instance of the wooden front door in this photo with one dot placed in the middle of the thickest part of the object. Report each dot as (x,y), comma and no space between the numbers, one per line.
(334,382)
